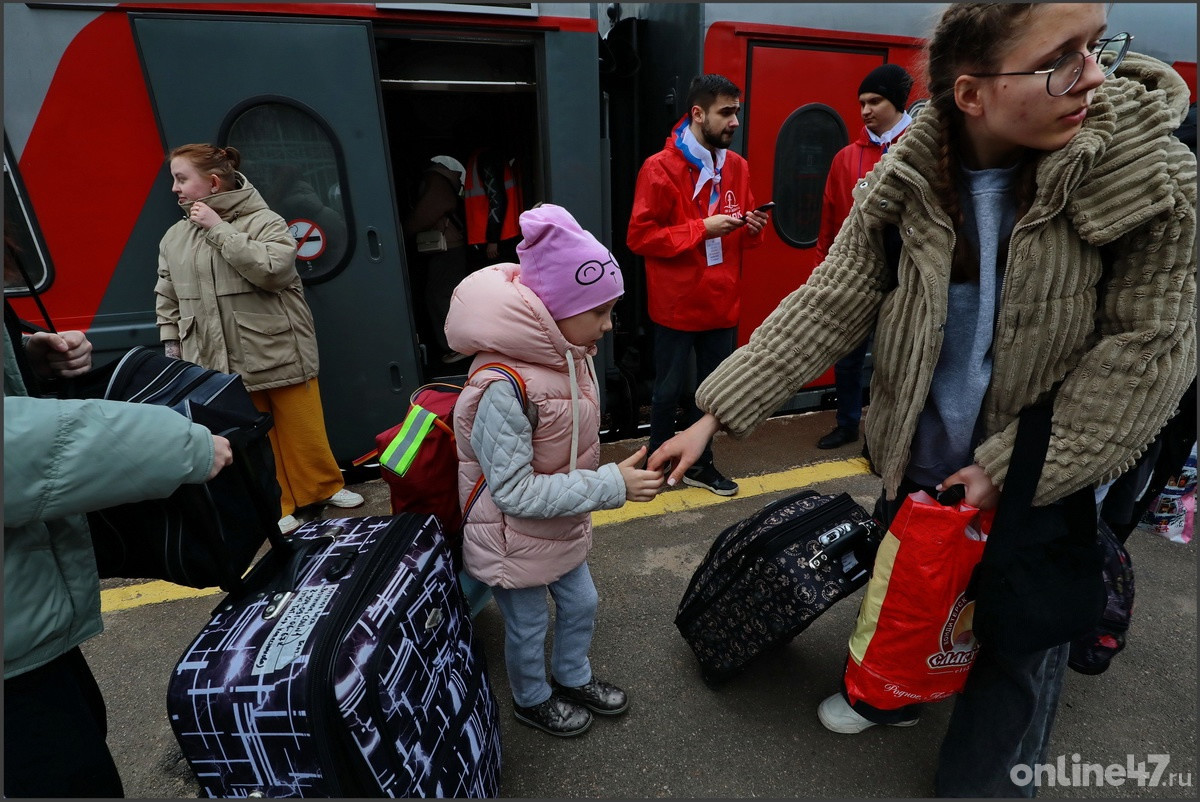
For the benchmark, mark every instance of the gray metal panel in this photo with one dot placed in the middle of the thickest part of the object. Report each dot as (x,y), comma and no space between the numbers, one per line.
(570,119)
(573,153)
(369,360)
(670,53)
(125,316)
(34,42)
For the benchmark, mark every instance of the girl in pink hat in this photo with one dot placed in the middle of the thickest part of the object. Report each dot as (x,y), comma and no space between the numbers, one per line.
(530,530)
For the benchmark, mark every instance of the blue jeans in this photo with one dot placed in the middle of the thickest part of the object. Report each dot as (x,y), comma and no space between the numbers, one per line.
(526,620)
(673,351)
(847,380)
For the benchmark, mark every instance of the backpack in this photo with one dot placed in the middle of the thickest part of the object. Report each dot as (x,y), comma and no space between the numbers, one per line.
(1091,653)
(418,457)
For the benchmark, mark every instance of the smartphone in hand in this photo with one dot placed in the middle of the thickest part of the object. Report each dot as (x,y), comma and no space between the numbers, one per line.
(766,207)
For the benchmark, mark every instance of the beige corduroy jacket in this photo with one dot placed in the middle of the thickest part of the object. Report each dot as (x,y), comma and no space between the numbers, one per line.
(1124,349)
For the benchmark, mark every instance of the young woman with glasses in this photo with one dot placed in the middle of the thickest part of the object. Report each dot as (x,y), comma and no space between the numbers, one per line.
(1043,145)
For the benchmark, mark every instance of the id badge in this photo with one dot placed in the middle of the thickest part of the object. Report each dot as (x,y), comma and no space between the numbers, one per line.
(712,250)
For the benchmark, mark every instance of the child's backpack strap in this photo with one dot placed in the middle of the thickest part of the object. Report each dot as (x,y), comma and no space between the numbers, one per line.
(518,385)
(514,378)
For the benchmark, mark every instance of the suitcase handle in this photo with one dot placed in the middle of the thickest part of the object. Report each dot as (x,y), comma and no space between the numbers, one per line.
(279,571)
(843,538)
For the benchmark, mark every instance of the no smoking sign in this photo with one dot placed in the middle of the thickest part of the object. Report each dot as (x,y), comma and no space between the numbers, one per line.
(310,239)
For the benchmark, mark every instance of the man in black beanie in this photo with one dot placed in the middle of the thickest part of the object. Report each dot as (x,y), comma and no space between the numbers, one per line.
(882,100)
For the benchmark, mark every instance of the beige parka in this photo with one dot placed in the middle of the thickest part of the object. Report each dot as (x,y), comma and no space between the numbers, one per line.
(231,295)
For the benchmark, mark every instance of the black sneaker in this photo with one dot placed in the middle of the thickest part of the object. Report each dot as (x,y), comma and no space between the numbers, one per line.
(840,436)
(709,478)
(596,695)
(556,715)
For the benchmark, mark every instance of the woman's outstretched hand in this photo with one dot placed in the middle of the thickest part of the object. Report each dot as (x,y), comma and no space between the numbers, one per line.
(681,451)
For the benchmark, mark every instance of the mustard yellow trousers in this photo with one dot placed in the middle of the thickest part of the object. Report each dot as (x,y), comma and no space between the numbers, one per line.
(304,463)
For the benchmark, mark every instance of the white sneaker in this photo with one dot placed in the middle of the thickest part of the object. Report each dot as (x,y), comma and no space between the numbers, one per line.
(288,523)
(838,716)
(345,498)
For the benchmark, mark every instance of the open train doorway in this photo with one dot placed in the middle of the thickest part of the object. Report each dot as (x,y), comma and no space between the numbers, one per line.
(470,101)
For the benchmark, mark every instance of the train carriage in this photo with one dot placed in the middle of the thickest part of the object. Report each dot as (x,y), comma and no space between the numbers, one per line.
(352,99)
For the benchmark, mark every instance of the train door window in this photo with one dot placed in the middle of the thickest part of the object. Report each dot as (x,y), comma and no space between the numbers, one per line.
(292,159)
(20,238)
(808,140)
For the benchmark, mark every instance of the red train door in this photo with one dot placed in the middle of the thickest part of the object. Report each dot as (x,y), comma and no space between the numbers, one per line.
(800,94)
(782,80)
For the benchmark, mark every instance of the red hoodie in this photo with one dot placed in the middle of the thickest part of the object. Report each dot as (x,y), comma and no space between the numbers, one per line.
(850,164)
(666,227)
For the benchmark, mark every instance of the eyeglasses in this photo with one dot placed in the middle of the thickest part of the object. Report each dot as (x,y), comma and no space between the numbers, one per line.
(1063,74)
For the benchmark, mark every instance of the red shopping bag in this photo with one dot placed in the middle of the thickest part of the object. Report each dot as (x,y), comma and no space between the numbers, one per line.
(913,640)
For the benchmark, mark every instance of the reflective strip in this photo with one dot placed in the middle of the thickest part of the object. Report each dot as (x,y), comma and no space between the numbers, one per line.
(401,452)
(478,191)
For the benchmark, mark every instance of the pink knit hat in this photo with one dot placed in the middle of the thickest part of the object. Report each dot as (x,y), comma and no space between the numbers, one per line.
(565,266)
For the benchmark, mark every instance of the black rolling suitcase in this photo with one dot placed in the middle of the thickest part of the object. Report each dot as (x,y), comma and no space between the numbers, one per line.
(346,667)
(769,576)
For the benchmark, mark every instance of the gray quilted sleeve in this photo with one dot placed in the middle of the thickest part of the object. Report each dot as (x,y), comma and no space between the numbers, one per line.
(502,439)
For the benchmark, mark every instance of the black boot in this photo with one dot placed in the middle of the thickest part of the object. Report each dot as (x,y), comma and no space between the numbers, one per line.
(556,715)
(840,436)
(596,695)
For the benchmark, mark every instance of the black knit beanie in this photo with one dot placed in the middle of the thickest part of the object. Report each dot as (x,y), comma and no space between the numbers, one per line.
(891,81)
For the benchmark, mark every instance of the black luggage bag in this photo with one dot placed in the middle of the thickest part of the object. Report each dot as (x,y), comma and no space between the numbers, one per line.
(769,576)
(202,535)
(344,667)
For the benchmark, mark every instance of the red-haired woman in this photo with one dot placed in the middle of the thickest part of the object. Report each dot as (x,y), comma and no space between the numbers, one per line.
(229,298)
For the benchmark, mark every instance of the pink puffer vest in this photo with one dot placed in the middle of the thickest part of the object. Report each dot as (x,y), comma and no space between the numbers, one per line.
(504,550)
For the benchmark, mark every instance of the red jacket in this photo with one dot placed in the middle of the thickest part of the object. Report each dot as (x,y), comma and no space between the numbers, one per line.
(850,164)
(667,228)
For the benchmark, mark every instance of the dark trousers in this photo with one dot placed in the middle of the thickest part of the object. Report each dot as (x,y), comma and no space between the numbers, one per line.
(847,380)
(673,350)
(1002,718)
(446,270)
(55,724)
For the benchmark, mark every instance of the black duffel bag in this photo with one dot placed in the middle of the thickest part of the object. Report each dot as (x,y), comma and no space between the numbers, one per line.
(1040,583)
(202,535)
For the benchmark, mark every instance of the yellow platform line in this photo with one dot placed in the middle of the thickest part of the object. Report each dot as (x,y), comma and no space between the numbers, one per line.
(130,596)
(686,498)
(693,498)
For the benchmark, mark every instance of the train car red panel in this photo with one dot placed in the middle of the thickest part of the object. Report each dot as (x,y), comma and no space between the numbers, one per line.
(1187,70)
(88,185)
(783,71)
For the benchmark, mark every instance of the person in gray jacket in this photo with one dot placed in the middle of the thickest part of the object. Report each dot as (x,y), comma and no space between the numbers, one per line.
(63,458)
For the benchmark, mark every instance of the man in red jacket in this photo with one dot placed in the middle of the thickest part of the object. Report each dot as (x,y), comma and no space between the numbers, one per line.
(693,213)
(882,100)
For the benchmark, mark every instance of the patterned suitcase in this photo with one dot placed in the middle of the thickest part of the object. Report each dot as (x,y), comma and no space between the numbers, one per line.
(346,669)
(769,576)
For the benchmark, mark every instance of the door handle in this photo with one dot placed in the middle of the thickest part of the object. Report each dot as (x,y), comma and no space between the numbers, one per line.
(374,245)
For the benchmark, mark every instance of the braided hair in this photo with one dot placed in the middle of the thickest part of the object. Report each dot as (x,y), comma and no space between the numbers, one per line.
(211,160)
(969,36)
